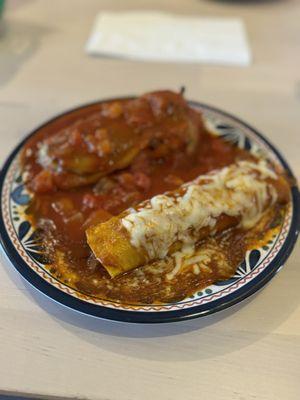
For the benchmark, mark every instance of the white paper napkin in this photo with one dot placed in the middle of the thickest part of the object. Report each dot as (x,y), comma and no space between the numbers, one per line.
(157,36)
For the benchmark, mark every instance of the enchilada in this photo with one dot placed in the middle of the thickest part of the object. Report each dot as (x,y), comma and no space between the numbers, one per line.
(237,194)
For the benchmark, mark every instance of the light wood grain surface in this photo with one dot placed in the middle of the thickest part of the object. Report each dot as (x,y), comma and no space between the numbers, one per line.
(249,352)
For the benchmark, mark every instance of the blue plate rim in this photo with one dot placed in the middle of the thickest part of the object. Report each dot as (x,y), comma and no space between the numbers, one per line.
(103,312)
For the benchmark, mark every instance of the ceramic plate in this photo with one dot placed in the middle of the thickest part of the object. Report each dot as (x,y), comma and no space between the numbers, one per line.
(259,266)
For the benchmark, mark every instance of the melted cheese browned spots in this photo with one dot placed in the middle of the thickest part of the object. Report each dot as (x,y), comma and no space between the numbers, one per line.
(242,190)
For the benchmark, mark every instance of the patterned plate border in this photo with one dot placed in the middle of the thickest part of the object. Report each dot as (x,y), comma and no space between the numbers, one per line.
(226,297)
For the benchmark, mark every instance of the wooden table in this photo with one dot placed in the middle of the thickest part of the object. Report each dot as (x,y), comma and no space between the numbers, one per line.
(249,352)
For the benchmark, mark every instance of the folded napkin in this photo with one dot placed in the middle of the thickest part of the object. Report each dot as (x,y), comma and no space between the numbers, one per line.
(158,36)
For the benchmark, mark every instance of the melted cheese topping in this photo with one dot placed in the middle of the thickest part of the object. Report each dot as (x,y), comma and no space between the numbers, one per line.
(240,190)
(188,256)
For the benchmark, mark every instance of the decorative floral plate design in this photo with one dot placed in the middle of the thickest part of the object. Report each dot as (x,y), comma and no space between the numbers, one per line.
(22,246)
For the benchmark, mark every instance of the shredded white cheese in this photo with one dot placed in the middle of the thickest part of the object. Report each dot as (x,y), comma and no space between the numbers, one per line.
(197,259)
(178,257)
(239,190)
